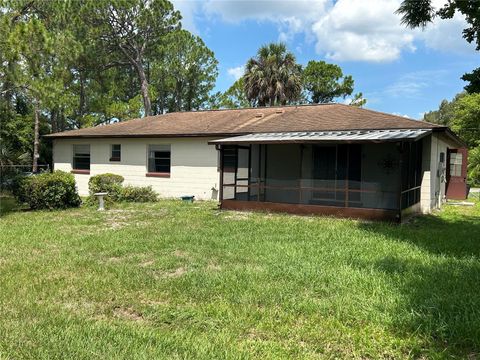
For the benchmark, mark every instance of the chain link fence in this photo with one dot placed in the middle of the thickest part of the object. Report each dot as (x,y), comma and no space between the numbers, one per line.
(9,172)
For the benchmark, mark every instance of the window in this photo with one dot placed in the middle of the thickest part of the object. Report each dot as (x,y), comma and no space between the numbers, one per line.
(81,157)
(456,160)
(115,152)
(158,160)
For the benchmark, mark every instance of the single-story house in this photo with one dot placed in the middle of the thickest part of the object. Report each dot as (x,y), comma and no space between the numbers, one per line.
(328,159)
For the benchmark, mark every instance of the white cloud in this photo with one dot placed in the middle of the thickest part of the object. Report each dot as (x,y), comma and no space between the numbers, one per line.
(446,36)
(235,11)
(236,72)
(342,30)
(362,30)
(402,115)
(412,85)
(188,9)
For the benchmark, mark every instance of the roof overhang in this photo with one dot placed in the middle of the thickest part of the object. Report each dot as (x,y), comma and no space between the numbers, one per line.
(351,136)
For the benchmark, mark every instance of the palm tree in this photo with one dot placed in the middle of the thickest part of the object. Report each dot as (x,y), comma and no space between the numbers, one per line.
(273,76)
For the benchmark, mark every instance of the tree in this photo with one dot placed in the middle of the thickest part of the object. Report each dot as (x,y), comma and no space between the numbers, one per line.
(466,119)
(38,57)
(418,13)
(462,115)
(358,100)
(474,166)
(233,98)
(324,82)
(445,113)
(474,81)
(272,76)
(184,73)
(131,31)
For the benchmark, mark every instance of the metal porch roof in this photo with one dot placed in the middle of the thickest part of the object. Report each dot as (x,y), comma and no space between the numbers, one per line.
(327,136)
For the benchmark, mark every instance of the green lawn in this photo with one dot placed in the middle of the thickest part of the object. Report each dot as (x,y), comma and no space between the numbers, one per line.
(174,280)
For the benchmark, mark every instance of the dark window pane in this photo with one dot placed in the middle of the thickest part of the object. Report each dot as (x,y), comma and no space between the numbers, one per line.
(81,157)
(116,152)
(229,159)
(159,158)
(81,163)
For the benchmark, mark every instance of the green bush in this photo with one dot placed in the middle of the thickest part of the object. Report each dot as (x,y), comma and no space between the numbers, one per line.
(55,190)
(474,166)
(110,183)
(138,194)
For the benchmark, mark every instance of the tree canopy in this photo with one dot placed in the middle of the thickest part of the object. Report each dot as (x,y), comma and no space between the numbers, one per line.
(324,82)
(70,64)
(273,76)
(462,115)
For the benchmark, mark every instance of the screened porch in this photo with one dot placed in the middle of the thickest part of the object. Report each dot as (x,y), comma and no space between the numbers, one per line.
(367,178)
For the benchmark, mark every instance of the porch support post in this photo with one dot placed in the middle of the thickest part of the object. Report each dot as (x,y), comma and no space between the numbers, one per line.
(347,172)
(400,186)
(249,170)
(301,174)
(220,192)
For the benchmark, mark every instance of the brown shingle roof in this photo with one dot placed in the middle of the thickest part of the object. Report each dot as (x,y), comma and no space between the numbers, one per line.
(246,121)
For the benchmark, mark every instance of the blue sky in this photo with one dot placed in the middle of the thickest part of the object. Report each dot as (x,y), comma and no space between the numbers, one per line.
(401,71)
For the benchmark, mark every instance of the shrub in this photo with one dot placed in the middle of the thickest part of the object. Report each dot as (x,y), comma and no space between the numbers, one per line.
(55,190)
(474,166)
(110,183)
(138,194)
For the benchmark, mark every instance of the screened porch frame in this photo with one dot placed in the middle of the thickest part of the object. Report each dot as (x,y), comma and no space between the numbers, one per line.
(408,192)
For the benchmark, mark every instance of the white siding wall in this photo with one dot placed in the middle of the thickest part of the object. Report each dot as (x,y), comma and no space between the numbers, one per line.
(193,164)
(433,182)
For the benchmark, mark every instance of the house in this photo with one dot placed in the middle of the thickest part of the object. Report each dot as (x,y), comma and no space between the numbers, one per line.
(327,159)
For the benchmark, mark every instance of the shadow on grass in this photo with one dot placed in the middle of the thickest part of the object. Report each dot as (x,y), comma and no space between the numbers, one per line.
(441,288)
(455,236)
(7,205)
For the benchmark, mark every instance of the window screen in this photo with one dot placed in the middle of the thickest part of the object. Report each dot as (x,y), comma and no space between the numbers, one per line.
(159,158)
(81,157)
(115,152)
(456,160)
(230,158)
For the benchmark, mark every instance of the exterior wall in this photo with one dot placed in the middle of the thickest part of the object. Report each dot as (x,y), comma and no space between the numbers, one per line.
(193,164)
(434,176)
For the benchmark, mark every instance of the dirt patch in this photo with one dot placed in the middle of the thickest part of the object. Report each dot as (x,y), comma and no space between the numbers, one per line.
(176,273)
(180,254)
(127,314)
(214,267)
(237,216)
(147,263)
(153,302)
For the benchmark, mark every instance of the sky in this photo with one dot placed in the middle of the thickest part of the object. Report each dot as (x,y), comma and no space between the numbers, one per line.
(398,70)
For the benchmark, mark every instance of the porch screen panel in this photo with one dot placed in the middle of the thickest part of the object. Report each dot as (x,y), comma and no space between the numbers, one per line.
(242,175)
(354,174)
(324,174)
(411,174)
(229,166)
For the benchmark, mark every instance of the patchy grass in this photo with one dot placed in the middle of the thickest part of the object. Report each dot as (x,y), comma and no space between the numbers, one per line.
(175,280)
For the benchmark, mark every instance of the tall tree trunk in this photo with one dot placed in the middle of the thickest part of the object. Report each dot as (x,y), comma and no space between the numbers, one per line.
(81,107)
(54,120)
(36,141)
(144,90)
(178,95)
